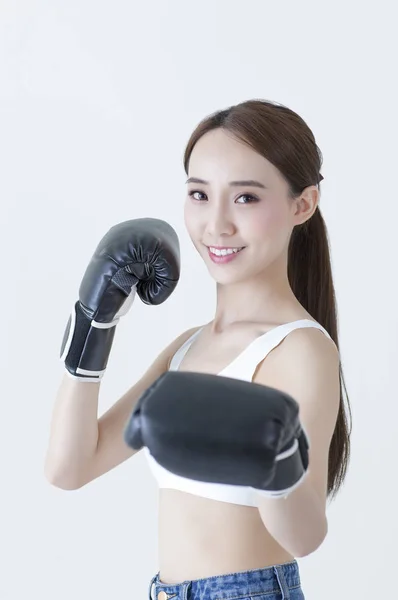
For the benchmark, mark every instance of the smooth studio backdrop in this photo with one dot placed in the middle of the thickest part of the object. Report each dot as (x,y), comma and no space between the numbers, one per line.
(97,101)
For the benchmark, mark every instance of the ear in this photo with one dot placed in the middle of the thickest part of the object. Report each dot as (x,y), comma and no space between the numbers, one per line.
(306,204)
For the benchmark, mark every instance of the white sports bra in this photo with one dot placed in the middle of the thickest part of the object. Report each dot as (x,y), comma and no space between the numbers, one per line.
(242,367)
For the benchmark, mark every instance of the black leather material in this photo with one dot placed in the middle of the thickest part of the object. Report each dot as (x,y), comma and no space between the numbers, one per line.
(140,254)
(218,430)
(145,252)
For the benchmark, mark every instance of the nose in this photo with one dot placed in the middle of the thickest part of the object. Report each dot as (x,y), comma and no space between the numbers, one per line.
(219,223)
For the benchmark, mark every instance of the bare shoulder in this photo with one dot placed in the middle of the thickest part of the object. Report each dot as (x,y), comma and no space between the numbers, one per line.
(305,353)
(306,365)
(312,341)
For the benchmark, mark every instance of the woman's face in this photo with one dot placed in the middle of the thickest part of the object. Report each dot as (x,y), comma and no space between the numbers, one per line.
(221,210)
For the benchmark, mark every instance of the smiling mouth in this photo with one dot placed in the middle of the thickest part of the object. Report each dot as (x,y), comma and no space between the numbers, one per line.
(225,250)
(224,256)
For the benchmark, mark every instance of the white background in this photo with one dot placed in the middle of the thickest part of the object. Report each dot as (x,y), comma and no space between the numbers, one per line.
(97,102)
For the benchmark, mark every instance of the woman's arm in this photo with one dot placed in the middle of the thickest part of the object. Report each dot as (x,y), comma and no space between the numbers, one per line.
(306,366)
(81,446)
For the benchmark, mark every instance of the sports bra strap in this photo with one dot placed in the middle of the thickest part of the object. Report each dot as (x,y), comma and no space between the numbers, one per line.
(182,350)
(245,364)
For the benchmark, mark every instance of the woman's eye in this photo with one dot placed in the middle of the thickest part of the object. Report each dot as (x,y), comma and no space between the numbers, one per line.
(192,194)
(196,195)
(250,199)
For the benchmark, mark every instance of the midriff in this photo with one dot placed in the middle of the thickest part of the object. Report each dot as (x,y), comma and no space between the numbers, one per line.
(200,538)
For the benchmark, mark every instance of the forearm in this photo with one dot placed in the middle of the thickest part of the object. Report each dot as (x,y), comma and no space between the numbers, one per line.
(298,523)
(74,432)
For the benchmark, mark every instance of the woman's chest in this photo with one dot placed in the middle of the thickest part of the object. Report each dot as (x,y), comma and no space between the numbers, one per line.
(213,354)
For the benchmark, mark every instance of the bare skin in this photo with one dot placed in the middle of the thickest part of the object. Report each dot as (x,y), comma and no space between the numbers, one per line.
(200,537)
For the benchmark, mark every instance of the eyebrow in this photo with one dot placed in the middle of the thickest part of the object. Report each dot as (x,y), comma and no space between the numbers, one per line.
(240,183)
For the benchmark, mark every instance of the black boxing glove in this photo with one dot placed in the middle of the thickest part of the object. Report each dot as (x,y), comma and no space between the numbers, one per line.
(222,430)
(139,256)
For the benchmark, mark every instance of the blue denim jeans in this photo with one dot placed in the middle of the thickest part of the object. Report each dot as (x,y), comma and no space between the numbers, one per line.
(280,582)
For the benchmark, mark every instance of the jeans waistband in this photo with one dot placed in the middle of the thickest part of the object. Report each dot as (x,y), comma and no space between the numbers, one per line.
(275,579)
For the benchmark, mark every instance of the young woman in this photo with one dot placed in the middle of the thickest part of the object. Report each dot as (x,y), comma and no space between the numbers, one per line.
(252,212)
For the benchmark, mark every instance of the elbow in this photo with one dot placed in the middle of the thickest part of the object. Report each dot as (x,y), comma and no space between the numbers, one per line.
(312,544)
(61,481)
(64,485)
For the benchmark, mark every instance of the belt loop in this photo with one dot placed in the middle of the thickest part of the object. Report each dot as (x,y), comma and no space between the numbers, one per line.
(186,589)
(151,590)
(282,583)
(182,594)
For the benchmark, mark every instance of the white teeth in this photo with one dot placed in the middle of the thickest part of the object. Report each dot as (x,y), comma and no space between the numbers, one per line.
(225,251)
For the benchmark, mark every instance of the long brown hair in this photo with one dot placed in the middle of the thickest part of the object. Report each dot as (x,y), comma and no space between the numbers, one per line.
(285,140)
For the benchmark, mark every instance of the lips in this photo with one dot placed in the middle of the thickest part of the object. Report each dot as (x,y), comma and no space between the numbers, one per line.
(226,258)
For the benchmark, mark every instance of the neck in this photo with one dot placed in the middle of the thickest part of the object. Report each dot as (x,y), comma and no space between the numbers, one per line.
(266,298)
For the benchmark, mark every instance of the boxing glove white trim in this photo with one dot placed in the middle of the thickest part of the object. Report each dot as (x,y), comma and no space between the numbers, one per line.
(85,379)
(281,494)
(70,334)
(98,325)
(90,373)
(293,448)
